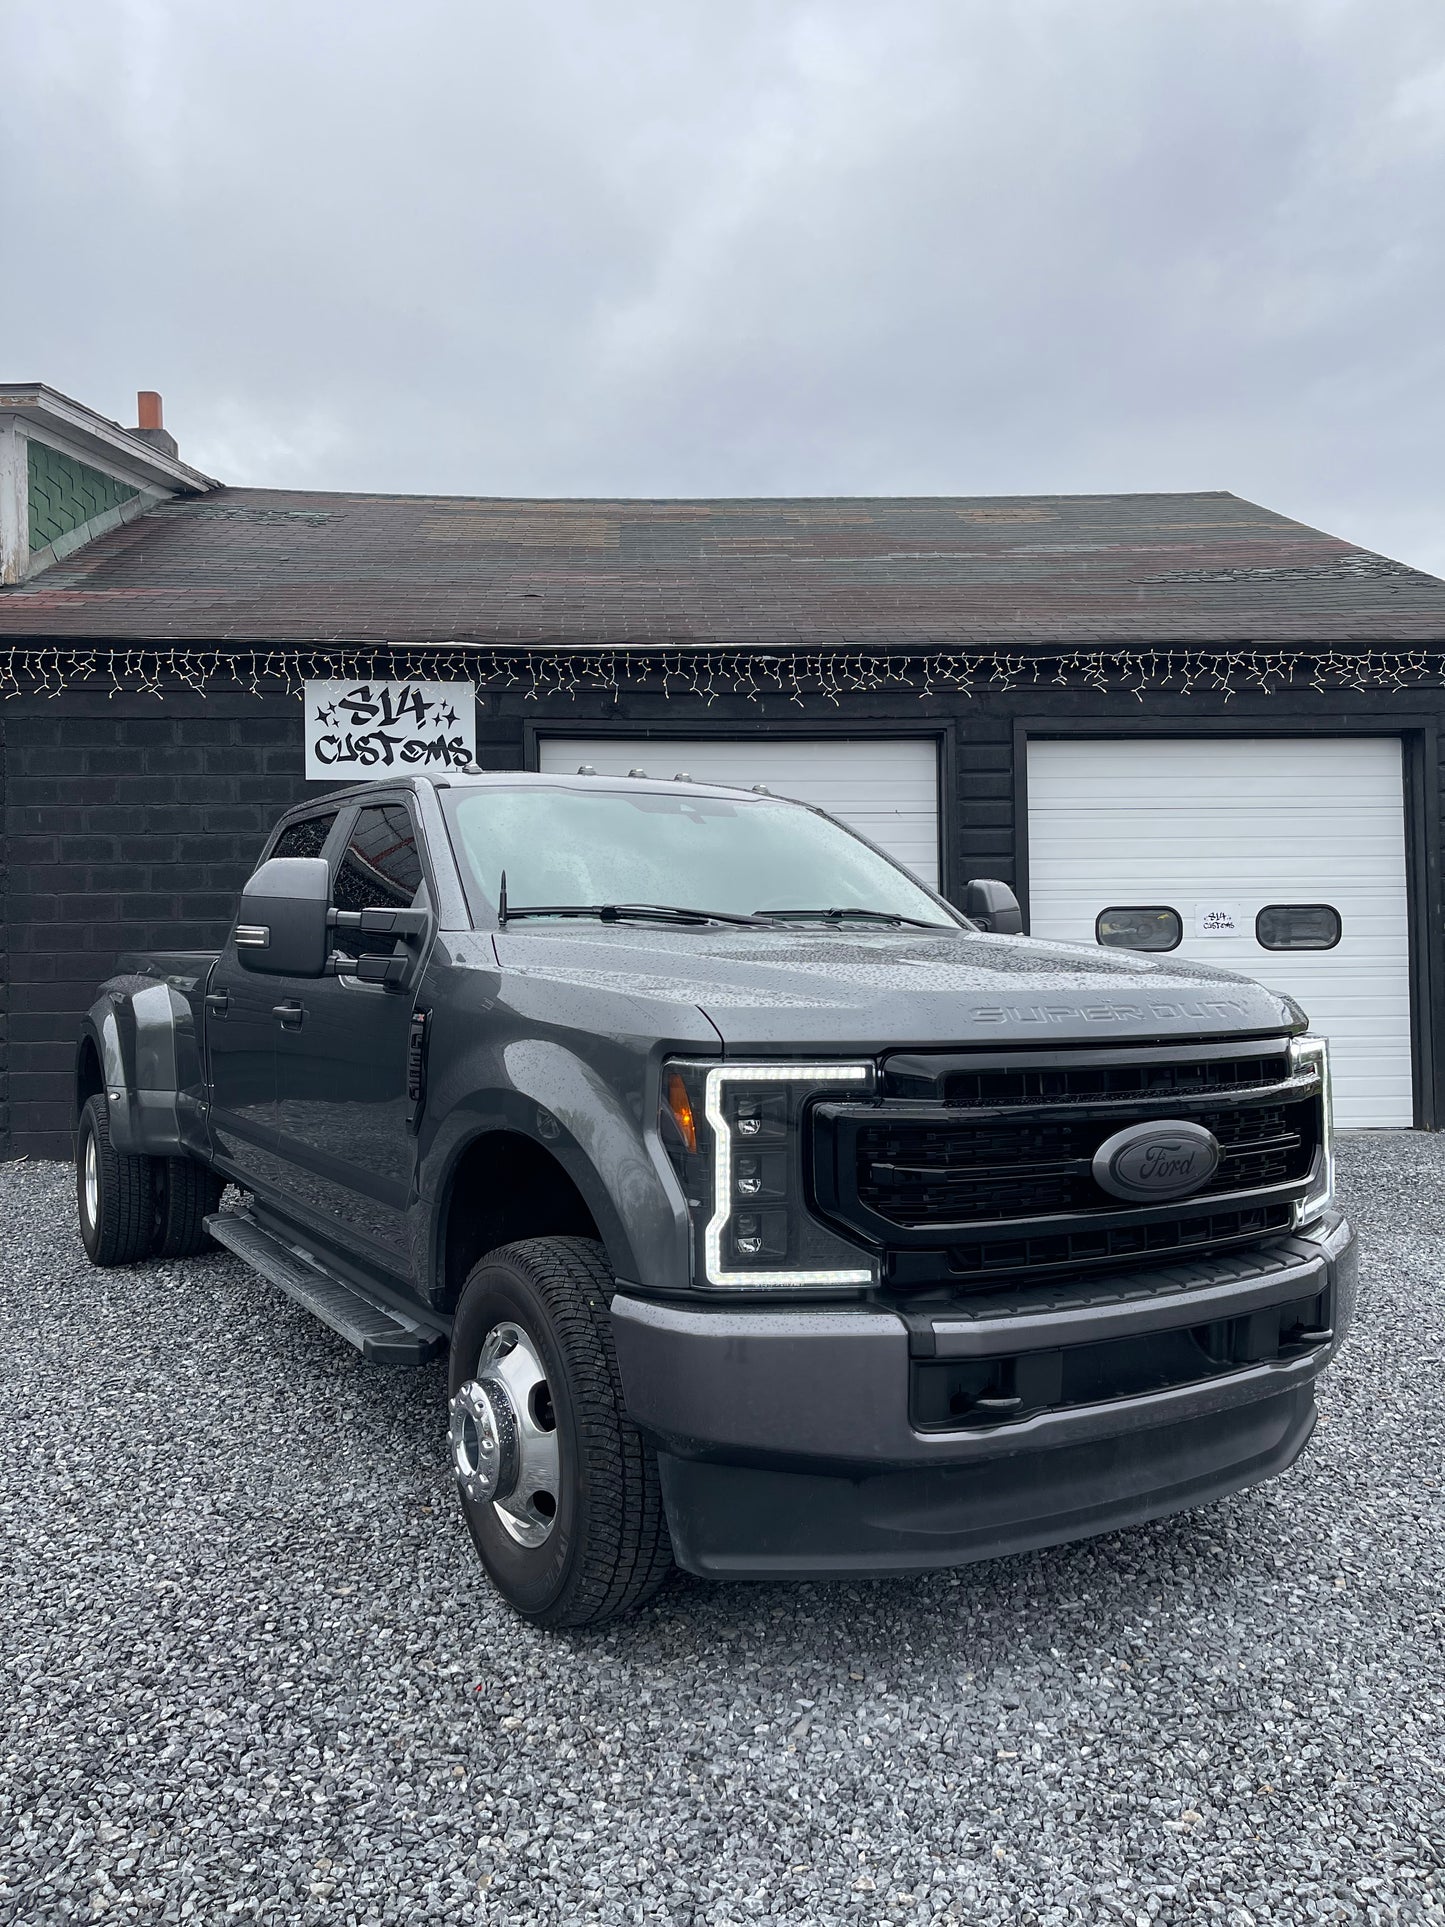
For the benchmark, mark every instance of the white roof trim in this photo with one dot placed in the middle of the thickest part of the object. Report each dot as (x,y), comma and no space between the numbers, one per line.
(78,430)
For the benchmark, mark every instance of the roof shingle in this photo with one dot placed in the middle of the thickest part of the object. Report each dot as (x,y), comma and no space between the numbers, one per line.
(263,565)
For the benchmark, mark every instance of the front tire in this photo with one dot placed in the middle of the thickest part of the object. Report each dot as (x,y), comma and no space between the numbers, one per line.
(559,1491)
(115,1193)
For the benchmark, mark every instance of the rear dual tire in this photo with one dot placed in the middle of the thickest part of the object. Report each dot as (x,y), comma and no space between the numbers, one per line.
(133,1207)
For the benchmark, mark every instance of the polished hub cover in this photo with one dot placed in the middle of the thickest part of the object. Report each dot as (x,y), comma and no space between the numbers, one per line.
(92,1182)
(483,1436)
(504,1437)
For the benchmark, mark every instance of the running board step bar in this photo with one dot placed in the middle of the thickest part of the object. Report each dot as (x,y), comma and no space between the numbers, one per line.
(382,1333)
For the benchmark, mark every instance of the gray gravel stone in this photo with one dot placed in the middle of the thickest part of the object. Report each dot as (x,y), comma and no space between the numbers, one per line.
(252,1671)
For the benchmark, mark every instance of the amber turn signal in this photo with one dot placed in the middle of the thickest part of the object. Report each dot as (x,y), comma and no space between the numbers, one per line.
(680,1105)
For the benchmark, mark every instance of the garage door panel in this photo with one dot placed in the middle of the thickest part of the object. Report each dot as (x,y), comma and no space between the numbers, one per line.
(1246,821)
(884,787)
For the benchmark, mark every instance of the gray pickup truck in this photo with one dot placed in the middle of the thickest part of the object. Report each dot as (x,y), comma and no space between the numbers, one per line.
(777,1218)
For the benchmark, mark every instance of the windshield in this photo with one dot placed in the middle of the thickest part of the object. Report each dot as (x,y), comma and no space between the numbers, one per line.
(602,846)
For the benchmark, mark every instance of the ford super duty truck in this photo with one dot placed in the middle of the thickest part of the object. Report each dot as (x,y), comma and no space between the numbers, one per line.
(777,1218)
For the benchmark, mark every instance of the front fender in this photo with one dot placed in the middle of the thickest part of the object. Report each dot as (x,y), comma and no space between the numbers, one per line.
(566,1107)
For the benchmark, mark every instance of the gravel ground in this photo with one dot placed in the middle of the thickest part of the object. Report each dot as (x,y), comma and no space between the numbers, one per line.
(253,1673)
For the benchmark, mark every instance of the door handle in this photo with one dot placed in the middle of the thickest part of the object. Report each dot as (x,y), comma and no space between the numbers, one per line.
(291,1013)
(218,1002)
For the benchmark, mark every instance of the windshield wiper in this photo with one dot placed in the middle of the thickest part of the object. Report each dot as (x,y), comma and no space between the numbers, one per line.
(614,912)
(835,916)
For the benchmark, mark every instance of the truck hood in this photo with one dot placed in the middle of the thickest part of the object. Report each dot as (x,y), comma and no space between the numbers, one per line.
(840,990)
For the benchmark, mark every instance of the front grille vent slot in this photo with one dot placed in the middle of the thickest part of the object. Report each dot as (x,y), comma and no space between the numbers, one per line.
(1115,1244)
(994,1087)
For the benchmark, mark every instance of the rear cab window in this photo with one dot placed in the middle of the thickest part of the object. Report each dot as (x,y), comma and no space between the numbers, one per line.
(306,838)
(380,868)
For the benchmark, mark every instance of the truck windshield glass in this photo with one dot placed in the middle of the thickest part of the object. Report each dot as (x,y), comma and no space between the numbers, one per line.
(600,846)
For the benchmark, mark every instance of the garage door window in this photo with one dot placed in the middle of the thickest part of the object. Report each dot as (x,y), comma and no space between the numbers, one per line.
(1139,927)
(1297,926)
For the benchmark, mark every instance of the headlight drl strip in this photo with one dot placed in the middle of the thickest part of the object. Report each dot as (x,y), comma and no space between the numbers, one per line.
(819,1075)
(1315,1051)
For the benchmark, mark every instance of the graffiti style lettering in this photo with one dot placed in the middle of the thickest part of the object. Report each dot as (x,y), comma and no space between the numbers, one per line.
(369,728)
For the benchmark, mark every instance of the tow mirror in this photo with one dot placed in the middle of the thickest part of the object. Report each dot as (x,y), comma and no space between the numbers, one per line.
(993,906)
(281,926)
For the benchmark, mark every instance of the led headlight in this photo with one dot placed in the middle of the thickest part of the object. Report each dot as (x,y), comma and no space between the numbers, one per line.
(735,1135)
(1308,1054)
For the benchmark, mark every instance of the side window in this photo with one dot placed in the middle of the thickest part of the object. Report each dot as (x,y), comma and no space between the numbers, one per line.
(306,838)
(1143,927)
(1298,926)
(380,869)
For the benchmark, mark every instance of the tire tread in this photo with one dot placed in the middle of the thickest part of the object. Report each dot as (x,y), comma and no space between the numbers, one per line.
(125,1232)
(189,1193)
(626,1553)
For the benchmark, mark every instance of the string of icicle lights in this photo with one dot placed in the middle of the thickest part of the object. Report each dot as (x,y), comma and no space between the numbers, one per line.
(705,673)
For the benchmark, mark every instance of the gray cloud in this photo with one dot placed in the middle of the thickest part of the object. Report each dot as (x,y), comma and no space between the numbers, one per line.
(761,247)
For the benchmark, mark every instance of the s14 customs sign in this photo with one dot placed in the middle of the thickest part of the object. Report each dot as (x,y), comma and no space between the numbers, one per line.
(359,731)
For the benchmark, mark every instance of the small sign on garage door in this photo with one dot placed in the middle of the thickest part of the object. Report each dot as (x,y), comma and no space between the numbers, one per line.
(1215,919)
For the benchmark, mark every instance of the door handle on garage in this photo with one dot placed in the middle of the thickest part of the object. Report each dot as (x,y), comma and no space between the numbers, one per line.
(291,1013)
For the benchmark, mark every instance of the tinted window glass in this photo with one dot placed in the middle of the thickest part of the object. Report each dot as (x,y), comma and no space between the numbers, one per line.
(1146,927)
(380,869)
(305,838)
(698,851)
(1298,926)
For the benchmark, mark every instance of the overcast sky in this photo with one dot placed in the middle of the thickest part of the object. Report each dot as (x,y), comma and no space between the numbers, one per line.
(713,247)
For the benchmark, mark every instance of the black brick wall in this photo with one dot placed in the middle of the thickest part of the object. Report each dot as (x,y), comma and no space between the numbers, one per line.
(132,822)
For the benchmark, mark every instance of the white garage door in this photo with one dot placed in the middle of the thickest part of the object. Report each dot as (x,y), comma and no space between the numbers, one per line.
(1223,829)
(887,789)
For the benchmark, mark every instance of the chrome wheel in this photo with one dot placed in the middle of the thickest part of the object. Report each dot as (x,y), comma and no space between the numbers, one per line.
(91,1178)
(504,1436)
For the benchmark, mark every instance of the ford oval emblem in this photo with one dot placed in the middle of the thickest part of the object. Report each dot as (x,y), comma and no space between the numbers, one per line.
(1148,1163)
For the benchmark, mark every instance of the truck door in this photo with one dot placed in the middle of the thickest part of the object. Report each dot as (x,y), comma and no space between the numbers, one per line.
(241,1031)
(346,1148)
(241,1060)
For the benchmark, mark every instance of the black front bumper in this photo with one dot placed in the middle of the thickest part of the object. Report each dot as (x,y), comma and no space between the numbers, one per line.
(788,1449)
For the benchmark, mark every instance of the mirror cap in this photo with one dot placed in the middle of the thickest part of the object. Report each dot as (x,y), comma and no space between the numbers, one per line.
(281,928)
(992,905)
(305,878)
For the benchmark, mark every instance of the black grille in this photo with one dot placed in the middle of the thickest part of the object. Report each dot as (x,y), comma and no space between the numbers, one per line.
(984,1170)
(1115,1244)
(996,1086)
(920,1171)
